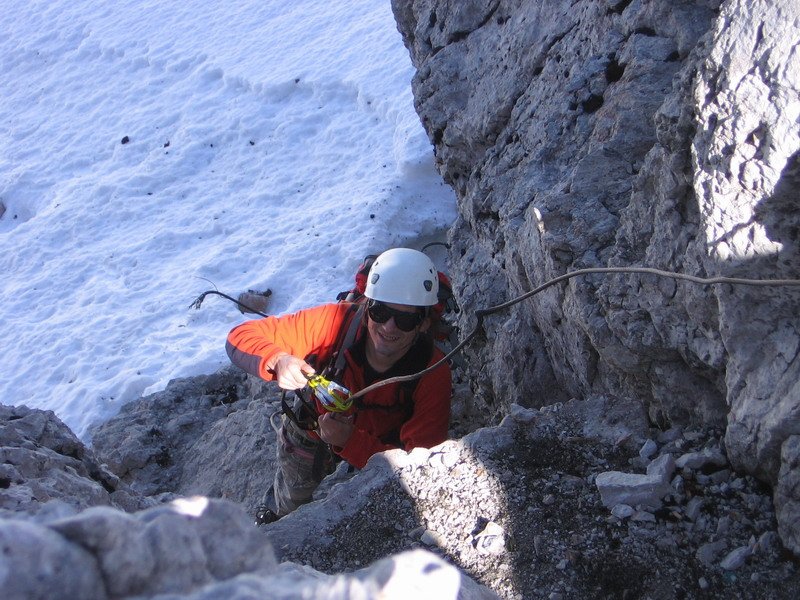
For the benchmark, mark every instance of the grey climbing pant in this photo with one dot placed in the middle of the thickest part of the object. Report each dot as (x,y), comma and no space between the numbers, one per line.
(302,463)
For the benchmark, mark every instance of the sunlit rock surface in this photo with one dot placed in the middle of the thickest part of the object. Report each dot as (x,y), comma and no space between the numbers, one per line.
(617,133)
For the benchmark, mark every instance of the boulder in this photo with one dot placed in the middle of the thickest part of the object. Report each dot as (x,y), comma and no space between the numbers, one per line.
(194,549)
(207,435)
(36,562)
(637,489)
(708,458)
(46,470)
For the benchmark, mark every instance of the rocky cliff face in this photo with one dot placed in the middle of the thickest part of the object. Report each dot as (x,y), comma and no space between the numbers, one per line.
(577,135)
(577,500)
(626,133)
(69,528)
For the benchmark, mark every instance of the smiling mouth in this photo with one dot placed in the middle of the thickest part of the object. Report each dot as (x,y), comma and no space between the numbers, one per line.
(389,338)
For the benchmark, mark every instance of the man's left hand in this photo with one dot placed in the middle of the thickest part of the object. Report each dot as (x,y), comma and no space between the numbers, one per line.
(335,429)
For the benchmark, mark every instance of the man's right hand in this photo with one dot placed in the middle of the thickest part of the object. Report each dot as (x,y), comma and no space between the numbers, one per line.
(289,372)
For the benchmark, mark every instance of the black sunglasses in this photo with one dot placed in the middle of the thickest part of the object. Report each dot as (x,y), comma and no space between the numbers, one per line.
(405,321)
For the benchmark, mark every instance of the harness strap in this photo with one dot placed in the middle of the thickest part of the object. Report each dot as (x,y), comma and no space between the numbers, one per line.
(316,453)
(347,342)
(323,461)
(308,424)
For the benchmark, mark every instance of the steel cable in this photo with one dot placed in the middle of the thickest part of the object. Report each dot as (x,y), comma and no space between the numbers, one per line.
(482,313)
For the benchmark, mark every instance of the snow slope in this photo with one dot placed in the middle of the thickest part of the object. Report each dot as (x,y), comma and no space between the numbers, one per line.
(269,145)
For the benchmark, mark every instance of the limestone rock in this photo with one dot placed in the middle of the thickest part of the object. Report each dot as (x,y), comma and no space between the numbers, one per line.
(490,540)
(648,449)
(736,558)
(417,573)
(508,504)
(190,548)
(120,544)
(709,457)
(635,489)
(662,467)
(787,494)
(46,470)
(707,553)
(624,134)
(622,511)
(174,548)
(208,435)
(36,562)
(420,574)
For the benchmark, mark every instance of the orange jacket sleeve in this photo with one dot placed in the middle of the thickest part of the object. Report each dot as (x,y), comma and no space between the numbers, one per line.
(254,344)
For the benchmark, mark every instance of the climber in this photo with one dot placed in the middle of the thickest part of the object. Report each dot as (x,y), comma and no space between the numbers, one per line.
(355,344)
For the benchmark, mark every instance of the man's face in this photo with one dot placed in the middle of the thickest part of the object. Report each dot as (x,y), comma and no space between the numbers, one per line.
(388,340)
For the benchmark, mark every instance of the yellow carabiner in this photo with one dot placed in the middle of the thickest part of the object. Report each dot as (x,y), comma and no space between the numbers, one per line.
(332,396)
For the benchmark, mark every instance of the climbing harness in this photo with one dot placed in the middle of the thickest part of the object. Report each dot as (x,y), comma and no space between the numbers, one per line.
(333,396)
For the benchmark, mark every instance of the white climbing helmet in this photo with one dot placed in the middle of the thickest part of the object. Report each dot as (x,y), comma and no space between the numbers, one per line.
(403,276)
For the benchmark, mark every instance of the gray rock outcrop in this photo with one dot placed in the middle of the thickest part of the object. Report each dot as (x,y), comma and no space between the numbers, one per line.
(45,468)
(616,133)
(517,508)
(787,493)
(193,548)
(207,435)
(63,535)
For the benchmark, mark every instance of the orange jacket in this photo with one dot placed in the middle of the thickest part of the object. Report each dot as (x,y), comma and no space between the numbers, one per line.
(314,331)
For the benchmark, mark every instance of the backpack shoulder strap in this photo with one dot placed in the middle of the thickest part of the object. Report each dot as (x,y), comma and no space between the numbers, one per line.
(347,335)
(406,389)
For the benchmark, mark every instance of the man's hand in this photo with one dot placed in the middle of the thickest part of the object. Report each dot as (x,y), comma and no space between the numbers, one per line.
(335,428)
(289,372)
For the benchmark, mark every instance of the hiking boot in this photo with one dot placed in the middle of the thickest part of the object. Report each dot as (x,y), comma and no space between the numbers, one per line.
(265,515)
